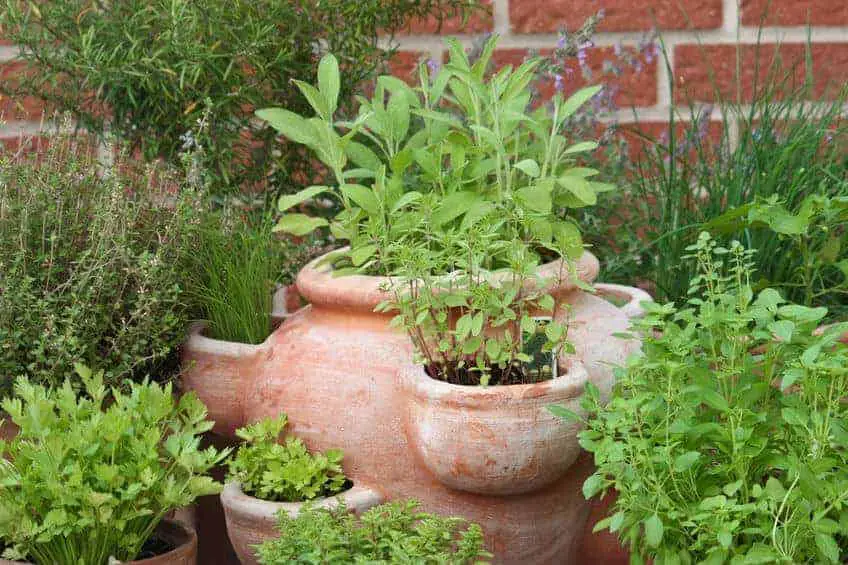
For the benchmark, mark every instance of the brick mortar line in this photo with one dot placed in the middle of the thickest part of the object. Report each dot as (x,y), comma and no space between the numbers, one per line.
(17,128)
(500,15)
(7,53)
(746,36)
(730,15)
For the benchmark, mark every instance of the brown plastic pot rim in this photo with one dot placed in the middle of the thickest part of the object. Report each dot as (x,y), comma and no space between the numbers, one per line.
(568,385)
(183,549)
(187,547)
(357,497)
(317,284)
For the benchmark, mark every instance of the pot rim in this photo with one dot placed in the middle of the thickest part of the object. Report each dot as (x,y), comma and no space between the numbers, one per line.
(356,498)
(182,550)
(197,341)
(316,283)
(568,385)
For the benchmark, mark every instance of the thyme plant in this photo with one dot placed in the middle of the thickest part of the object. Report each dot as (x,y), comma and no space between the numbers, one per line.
(452,189)
(727,438)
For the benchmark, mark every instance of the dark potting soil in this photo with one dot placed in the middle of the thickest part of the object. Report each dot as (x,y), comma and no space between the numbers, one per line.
(469,376)
(154,547)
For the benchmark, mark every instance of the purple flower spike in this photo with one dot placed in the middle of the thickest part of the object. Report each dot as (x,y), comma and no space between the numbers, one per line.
(433,65)
(559,82)
(582,53)
(561,41)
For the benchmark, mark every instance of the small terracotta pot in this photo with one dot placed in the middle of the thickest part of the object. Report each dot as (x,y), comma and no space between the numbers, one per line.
(496,440)
(251,521)
(177,534)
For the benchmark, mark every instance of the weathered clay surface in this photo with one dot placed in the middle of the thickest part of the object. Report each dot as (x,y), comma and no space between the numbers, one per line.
(251,521)
(497,440)
(178,534)
(343,377)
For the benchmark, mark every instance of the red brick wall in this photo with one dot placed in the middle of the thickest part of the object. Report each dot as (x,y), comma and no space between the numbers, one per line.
(727,30)
(704,38)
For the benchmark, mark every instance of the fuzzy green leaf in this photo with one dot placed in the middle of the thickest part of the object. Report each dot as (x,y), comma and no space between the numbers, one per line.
(289,124)
(329,81)
(299,224)
(287,201)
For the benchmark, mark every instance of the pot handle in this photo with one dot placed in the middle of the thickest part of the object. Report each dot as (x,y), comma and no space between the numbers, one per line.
(634,296)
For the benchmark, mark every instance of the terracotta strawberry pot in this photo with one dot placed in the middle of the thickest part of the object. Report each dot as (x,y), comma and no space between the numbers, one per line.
(178,535)
(497,440)
(216,366)
(601,547)
(342,375)
(251,521)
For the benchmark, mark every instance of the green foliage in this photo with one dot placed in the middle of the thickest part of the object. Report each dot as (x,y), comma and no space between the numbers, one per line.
(777,146)
(727,439)
(817,233)
(236,262)
(389,533)
(90,266)
(148,70)
(284,472)
(90,476)
(460,179)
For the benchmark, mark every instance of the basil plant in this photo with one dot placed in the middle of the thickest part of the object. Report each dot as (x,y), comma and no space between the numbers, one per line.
(453,188)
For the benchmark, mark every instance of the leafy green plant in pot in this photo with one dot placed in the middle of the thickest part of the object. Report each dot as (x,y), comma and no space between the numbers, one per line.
(91,475)
(451,190)
(394,532)
(726,439)
(267,477)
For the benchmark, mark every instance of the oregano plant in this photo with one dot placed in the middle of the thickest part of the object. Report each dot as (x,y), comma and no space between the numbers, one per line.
(727,438)
(393,532)
(454,189)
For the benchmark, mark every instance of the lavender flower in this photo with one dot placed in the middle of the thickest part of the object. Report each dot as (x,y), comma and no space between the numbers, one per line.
(559,83)
(582,53)
(562,40)
(433,66)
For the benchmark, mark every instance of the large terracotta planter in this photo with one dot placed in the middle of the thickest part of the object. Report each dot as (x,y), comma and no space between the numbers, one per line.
(251,521)
(182,537)
(345,379)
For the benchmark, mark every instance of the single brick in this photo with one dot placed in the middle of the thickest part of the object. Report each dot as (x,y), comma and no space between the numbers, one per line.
(641,135)
(404,65)
(794,12)
(479,21)
(24,108)
(24,144)
(705,73)
(634,87)
(548,16)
